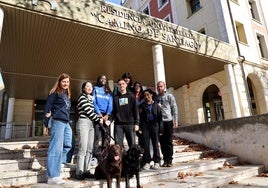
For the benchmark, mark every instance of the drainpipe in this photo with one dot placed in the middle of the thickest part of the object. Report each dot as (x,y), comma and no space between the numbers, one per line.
(241,59)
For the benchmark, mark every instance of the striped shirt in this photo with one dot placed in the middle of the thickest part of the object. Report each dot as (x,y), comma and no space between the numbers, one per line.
(85,107)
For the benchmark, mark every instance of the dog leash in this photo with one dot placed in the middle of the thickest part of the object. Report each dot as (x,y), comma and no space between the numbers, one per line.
(104,152)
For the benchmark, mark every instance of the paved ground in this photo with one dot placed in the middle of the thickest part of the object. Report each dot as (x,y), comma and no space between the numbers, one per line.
(256,182)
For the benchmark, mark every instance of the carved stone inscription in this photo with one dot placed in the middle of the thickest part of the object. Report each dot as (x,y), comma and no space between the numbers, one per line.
(145,26)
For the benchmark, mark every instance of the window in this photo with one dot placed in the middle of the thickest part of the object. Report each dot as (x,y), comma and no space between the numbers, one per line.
(161,3)
(241,32)
(194,5)
(146,10)
(262,46)
(167,18)
(254,10)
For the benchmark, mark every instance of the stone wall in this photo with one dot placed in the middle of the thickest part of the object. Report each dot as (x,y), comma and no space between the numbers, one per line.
(245,137)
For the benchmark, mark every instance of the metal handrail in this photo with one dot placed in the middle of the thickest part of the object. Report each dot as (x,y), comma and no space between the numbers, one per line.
(10,131)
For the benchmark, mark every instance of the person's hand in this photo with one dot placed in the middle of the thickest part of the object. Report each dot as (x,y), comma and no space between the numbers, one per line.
(106,117)
(107,122)
(101,121)
(175,124)
(46,131)
(136,127)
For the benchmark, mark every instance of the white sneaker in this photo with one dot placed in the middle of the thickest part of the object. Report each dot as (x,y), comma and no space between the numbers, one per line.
(146,166)
(93,161)
(55,181)
(156,166)
(66,165)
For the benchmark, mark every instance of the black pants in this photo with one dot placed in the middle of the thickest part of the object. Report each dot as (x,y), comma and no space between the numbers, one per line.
(103,132)
(150,133)
(120,131)
(166,141)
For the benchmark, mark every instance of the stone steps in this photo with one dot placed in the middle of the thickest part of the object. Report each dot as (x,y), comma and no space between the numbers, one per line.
(212,178)
(26,167)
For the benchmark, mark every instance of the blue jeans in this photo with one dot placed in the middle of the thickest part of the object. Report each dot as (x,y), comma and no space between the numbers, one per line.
(85,134)
(59,145)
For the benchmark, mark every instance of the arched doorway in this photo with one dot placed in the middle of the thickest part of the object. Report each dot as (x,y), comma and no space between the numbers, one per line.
(212,104)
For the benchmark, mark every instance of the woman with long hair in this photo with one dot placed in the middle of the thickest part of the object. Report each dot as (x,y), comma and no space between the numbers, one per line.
(58,109)
(85,130)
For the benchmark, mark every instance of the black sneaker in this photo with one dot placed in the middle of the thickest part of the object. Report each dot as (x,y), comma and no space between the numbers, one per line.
(80,177)
(88,175)
(169,165)
(164,164)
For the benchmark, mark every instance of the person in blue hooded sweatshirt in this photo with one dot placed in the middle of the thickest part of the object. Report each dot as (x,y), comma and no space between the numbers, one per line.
(103,104)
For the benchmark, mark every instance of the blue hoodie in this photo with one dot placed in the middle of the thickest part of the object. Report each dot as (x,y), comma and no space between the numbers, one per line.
(103,102)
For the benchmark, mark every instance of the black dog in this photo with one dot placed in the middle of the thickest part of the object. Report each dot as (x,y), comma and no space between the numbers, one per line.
(110,167)
(131,164)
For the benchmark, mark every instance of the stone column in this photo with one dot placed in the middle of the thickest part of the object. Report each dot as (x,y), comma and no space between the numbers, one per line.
(10,112)
(1,22)
(235,105)
(159,67)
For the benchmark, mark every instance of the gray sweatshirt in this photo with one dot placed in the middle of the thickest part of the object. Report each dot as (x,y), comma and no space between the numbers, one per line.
(168,107)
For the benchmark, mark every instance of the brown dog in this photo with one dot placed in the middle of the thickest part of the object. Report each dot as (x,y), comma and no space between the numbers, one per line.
(111,166)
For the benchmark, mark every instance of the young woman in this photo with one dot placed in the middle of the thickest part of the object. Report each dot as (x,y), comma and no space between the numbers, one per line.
(58,109)
(85,130)
(151,127)
(103,104)
(138,92)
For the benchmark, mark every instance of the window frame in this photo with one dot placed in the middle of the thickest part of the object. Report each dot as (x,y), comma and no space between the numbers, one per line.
(240,32)
(253,8)
(161,4)
(262,46)
(193,9)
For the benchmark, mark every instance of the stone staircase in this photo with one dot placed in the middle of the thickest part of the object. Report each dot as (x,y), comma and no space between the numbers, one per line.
(22,164)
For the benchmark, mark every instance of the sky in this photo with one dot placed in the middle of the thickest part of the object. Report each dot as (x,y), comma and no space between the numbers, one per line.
(114,1)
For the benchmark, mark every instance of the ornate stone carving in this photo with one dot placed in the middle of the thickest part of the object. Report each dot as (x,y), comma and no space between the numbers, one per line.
(53,3)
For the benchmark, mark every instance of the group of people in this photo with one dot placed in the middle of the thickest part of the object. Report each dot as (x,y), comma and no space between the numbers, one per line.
(133,110)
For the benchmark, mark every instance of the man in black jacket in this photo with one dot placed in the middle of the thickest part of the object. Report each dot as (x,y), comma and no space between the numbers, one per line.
(125,115)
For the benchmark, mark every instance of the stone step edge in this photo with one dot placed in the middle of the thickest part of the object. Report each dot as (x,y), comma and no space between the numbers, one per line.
(29,143)
(215,177)
(176,155)
(39,162)
(146,179)
(177,167)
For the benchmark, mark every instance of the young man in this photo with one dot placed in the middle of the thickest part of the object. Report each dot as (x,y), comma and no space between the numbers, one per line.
(125,115)
(169,110)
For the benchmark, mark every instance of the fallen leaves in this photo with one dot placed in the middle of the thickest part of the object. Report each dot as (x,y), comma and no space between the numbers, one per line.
(233,182)
(263,175)
(226,165)
(214,154)
(183,175)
